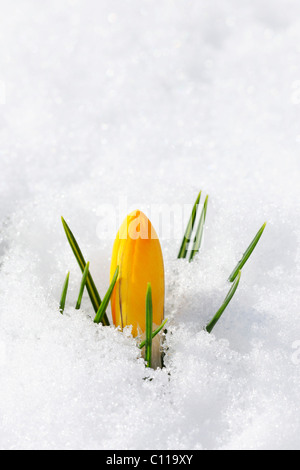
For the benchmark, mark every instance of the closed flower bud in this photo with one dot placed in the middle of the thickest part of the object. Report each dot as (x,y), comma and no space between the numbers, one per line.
(138,254)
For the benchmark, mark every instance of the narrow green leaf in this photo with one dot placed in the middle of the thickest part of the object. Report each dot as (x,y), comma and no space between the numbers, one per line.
(189,229)
(158,330)
(199,233)
(64,294)
(226,302)
(149,321)
(90,285)
(247,253)
(82,286)
(105,301)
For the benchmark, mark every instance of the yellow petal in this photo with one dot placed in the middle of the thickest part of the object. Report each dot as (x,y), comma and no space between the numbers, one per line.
(138,253)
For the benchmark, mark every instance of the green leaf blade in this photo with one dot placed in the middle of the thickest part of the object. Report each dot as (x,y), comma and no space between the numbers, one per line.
(90,285)
(62,303)
(200,229)
(225,304)
(158,330)
(149,322)
(105,301)
(189,229)
(82,286)
(247,253)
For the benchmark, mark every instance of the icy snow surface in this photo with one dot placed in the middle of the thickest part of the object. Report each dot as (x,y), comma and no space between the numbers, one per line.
(147,102)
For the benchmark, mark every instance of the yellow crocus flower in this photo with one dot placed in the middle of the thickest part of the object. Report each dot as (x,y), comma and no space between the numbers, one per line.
(137,252)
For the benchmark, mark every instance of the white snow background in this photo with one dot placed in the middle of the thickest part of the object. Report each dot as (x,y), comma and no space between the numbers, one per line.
(150,101)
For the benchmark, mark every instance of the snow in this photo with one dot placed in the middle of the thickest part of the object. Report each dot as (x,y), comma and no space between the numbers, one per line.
(109,105)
